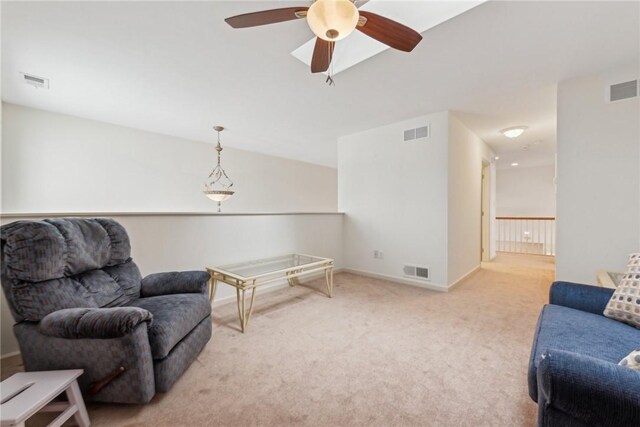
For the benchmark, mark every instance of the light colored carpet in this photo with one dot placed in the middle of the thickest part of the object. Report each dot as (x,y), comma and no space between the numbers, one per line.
(377,354)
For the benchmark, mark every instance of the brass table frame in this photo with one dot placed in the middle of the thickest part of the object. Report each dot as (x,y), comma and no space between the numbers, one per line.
(243,284)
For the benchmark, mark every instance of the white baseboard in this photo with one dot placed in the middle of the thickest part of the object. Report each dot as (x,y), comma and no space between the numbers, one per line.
(457,282)
(397,279)
(13,353)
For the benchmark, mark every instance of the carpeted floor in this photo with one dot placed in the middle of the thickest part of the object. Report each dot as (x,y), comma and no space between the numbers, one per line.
(377,354)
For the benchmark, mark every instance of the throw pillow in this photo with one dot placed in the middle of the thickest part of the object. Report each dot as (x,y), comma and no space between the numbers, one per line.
(624,304)
(632,361)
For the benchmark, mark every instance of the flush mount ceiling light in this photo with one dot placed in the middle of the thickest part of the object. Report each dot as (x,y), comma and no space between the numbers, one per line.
(218,185)
(514,164)
(513,132)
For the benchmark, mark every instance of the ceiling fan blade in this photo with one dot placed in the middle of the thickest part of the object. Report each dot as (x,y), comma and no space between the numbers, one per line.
(322,53)
(265,17)
(389,32)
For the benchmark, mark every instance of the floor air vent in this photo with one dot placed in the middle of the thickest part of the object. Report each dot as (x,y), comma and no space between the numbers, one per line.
(416,272)
(622,91)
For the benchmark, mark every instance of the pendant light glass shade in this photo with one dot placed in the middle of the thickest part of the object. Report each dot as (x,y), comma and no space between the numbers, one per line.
(332,20)
(218,185)
(218,195)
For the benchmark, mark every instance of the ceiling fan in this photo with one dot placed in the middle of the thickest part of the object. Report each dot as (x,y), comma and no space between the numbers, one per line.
(333,20)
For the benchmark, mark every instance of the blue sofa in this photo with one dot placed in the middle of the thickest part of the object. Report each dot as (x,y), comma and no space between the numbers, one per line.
(574,374)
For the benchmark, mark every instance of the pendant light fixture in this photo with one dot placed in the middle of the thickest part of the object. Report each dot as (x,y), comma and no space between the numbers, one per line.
(218,185)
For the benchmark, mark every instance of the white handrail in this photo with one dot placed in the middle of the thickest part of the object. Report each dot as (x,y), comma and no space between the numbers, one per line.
(529,235)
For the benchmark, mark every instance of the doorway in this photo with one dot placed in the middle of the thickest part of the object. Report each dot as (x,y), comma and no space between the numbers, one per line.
(485,213)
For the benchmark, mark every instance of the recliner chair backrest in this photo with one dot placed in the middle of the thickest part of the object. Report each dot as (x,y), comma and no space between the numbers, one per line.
(66,263)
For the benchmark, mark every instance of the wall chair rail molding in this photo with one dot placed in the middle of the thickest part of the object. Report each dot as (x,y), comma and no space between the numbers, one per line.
(31,215)
(182,241)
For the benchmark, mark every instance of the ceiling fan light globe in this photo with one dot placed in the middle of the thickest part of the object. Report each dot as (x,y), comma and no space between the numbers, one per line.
(332,20)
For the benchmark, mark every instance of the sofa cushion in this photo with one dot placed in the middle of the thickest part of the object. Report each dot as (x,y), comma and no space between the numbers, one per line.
(624,304)
(174,316)
(65,263)
(632,360)
(35,251)
(33,301)
(74,323)
(110,287)
(563,328)
(32,251)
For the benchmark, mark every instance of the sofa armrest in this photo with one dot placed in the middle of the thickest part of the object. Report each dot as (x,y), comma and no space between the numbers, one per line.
(592,299)
(591,390)
(176,282)
(76,323)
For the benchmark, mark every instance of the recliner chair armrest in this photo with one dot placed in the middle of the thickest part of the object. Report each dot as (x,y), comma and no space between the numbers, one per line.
(76,323)
(592,299)
(591,390)
(176,282)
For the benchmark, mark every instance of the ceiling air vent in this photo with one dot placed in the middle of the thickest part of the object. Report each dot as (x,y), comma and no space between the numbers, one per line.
(417,133)
(416,272)
(35,81)
(622,91)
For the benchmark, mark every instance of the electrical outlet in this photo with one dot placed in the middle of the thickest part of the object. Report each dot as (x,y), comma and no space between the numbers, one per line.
(378,254)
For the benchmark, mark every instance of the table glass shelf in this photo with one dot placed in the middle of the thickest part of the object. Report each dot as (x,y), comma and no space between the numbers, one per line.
(267,266)
(247,276)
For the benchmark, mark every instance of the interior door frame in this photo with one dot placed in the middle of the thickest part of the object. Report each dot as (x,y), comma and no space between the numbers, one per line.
(485,212)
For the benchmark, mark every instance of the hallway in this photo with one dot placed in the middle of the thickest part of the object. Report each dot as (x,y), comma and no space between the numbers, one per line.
(538,262)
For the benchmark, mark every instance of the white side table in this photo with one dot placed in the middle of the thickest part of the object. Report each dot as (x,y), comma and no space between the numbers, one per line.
(26,393)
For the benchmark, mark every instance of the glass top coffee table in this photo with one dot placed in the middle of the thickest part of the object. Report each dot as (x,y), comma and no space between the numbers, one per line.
(249,275)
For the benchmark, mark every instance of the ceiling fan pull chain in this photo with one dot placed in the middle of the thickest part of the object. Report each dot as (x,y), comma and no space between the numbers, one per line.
(330,70)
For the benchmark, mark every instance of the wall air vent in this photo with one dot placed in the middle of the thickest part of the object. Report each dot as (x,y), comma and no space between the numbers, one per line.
(622,91)
(35,81)
(409,135)
(416,271)
(422,132)
(417,133)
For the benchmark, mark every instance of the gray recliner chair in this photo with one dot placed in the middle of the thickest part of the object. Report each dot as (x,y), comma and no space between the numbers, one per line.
(80,302)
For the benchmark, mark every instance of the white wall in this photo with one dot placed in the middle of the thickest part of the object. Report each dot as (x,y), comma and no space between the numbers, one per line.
(171,242)
(598,203)
(466,155)
(394,194)
(528,191)
(58,163)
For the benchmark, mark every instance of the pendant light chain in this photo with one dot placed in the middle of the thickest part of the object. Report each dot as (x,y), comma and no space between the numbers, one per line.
(219,148)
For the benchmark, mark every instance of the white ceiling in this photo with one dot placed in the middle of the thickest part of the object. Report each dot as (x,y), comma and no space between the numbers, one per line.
(176,68)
